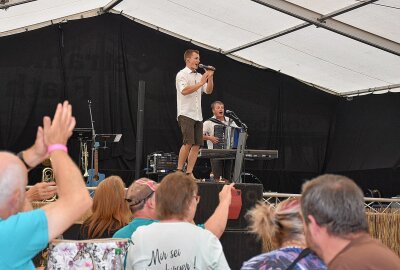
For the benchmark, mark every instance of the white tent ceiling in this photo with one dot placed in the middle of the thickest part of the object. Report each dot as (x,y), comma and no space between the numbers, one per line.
(344,47)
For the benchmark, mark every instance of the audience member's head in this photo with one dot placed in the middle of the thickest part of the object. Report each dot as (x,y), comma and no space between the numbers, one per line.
(139,193)
(333,210)
(190,246)
(176,197)
(280,225)
(110,211)
(13,179)
(141,198)
(336,203)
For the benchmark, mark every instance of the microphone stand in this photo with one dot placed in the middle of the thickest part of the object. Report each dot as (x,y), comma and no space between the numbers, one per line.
(234,116)
(240,151)
(93,132)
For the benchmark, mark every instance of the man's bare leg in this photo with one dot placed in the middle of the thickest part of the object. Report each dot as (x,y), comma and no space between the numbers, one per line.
(183,155)
(192,158)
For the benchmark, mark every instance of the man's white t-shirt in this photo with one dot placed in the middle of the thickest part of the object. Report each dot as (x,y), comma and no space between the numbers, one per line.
(175,245)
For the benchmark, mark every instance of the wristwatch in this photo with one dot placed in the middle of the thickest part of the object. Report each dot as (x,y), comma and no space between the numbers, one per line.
(21,157)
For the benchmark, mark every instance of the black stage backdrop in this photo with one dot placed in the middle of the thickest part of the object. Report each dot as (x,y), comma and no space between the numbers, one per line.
(365,143)
(103,59)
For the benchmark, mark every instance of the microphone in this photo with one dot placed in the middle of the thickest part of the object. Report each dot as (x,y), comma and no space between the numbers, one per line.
(206,67)
(236,118)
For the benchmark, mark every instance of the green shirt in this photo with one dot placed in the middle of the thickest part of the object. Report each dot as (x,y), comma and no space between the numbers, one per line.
(128,230)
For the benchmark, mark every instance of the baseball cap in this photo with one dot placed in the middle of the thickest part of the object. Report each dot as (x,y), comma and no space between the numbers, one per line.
(140,190)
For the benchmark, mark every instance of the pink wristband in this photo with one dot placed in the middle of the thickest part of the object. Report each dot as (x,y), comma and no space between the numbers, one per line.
(54,147)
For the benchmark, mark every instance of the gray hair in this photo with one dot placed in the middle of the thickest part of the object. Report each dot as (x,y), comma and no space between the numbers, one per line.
(215,103)
(12,177)
(336,203)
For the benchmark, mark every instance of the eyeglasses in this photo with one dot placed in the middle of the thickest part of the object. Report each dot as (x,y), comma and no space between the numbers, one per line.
(197,198)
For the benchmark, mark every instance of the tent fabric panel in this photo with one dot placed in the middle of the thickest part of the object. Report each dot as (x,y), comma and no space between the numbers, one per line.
(211,22)
(43,10)
(79,16)
(323,6)
(380,20)
(327,59)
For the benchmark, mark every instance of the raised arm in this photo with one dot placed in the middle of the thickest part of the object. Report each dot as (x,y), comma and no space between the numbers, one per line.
(217,222)
(74,199)
(36,153)
(192,88)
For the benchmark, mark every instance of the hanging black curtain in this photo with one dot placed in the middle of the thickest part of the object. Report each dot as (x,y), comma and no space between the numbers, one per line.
(103,58)
(365,142)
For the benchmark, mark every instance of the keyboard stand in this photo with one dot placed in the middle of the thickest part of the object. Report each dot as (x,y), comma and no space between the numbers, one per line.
(239,157)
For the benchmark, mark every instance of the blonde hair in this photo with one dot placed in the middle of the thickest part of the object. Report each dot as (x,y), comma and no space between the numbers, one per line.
(277,225)
(110,211)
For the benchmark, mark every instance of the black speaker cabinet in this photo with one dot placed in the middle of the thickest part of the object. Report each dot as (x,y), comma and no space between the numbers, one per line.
(251,194)
(239,246)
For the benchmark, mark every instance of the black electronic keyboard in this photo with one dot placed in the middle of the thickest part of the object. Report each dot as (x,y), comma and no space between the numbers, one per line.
(231,153)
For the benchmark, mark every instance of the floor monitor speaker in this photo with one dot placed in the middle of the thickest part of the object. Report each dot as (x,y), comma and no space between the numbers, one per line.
(251,194)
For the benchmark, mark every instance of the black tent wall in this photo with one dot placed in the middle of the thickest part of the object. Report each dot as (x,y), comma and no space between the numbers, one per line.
(103,58)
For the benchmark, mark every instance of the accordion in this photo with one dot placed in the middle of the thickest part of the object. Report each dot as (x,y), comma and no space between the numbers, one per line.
(228,137)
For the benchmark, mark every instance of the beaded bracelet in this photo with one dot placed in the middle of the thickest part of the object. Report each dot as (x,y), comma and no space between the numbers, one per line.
(20,155)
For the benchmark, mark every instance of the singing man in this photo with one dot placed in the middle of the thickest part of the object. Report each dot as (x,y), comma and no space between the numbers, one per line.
(190,85)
